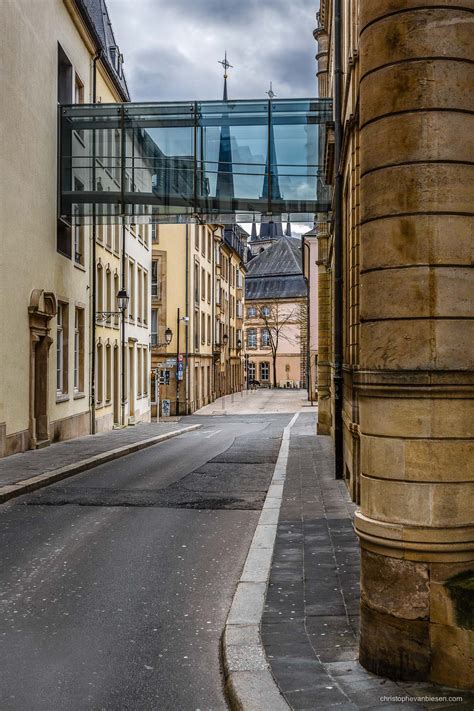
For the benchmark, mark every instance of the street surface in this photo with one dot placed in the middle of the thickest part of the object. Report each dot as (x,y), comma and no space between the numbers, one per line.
(115,584)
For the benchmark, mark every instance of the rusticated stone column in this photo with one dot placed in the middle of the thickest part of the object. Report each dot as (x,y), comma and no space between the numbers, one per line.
(417,339)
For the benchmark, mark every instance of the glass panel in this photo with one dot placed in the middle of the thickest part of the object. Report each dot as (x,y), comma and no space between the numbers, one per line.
(214,161)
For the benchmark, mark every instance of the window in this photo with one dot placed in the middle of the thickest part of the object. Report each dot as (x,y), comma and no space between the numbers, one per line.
(108,373)
(196,237)
(208,330)
(252,338)
(196,330)
(62,349)
(218,292)
(154,233)
(131,291)
(203,241)
(203,285)
(264,371)
(145,297)
(265,336)
(116,291)
(196,282)
(78,227)
(251,312)
(155,278)
(203,328)
(140,294)
(208,246)
(145,372)
(100,288)
(209,288)
(252,371)
(154,327)
(218,256)
(100,373)
(108,293)
(140,372)
(265,311)
(79,350)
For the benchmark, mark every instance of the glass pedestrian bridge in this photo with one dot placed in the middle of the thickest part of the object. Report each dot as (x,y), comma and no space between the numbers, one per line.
(210,161)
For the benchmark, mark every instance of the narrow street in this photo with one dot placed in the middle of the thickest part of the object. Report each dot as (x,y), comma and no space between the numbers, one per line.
(116,583)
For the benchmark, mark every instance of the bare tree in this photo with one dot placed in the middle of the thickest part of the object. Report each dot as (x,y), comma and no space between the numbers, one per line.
(275,321)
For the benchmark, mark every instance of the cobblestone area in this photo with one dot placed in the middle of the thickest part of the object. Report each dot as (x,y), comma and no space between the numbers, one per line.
(311,618)
(19,467)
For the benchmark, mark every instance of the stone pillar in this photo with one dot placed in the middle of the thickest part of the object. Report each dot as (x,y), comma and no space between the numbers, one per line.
(415,378)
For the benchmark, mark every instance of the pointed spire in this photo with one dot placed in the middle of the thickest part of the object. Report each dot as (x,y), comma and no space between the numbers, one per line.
(226,66)
(288,229)
(271,164)
(253,235)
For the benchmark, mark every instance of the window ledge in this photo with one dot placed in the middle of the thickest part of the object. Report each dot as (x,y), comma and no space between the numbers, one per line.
(80,266)
(79,395)
(62,397)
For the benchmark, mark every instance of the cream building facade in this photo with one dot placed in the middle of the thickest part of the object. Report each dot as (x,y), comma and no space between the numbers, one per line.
(47,264)
(197,292)
(407,221)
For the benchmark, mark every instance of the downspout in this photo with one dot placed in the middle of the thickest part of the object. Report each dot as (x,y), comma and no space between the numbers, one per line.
(186,377)
(93,252)
(338,279)
(308,357)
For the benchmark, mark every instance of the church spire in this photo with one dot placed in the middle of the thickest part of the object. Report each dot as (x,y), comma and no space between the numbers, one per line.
(271,165)
(226,66)
(225,177)
(288,229)
(253,235)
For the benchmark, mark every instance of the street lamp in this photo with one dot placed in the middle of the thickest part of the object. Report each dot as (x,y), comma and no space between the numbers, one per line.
(122,300)
(168,336)
(239,344)
(225,339)
(122,303)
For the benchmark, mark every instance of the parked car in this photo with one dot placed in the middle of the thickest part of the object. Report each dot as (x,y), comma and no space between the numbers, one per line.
(254,383)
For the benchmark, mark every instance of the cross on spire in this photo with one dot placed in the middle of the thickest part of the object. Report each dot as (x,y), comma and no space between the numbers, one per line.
(226,66)
(270,92)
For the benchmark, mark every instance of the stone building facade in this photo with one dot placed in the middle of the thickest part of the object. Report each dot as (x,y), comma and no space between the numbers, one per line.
(276,300)
(407,221)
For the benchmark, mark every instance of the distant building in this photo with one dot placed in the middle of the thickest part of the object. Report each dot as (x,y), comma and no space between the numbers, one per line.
(276,311)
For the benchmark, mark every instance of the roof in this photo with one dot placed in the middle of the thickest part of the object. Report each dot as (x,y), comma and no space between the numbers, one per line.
(96,16)
(276,273)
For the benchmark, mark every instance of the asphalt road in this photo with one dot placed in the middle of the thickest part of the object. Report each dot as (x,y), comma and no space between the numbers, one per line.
(115,585)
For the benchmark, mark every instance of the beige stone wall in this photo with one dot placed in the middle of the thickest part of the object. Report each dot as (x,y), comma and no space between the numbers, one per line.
(407,331)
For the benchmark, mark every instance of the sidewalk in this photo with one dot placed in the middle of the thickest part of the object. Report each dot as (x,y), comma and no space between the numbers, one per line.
(311,618)
(29,470)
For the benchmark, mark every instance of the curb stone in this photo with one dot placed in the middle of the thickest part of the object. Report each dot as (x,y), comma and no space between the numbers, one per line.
(249,684)
(39,480)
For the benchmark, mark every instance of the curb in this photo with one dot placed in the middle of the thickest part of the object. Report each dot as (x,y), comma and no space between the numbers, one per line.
(249,684)
(37,482)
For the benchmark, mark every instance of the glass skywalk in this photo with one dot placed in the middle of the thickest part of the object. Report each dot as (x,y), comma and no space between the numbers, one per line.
(215,161)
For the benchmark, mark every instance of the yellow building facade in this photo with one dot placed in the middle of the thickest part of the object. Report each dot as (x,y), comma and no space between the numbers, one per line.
(407,221)
(197,293)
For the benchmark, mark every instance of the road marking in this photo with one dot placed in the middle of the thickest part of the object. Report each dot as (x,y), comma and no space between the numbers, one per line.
(213,433)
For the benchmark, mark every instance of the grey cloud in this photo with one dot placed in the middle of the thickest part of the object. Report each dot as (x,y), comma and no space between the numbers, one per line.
(171,49)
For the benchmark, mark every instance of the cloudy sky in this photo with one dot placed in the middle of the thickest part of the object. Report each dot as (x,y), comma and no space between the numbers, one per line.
(171,47)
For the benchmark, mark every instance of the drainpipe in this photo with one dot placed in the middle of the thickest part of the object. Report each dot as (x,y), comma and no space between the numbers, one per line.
(186,381)
(338,278)
(94,253)
(308,324)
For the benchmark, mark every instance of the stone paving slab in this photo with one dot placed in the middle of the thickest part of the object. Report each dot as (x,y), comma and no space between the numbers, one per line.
(30,470)
(310,621)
